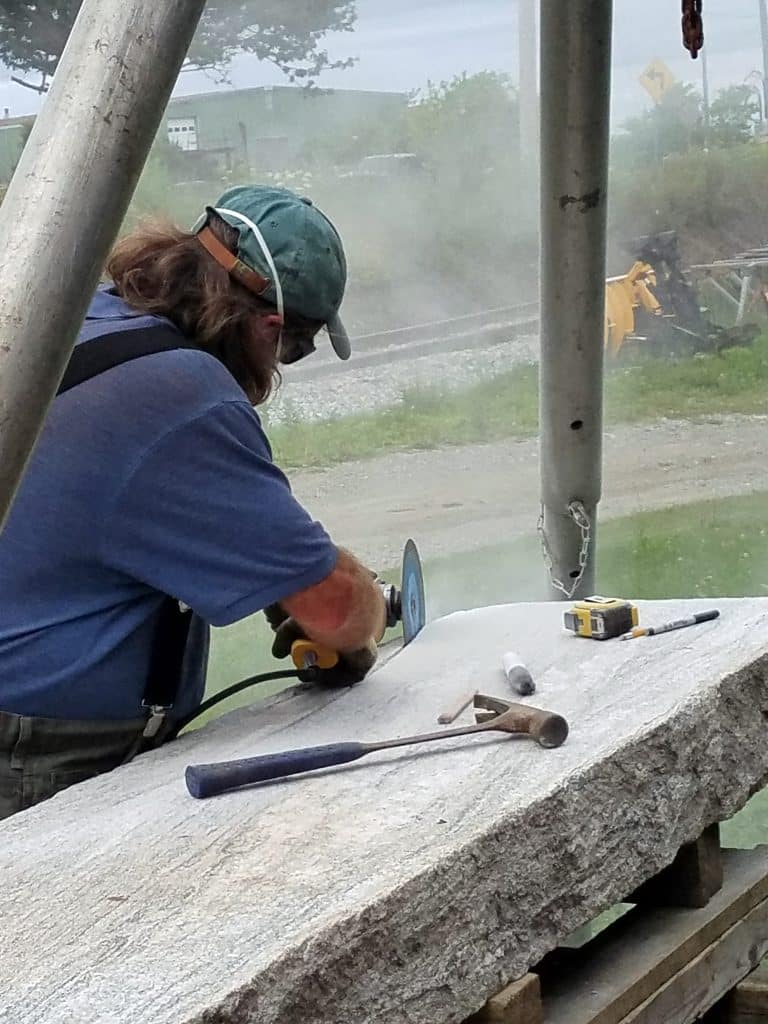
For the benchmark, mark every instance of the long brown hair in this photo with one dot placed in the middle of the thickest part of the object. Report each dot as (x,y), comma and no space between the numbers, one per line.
(162,270)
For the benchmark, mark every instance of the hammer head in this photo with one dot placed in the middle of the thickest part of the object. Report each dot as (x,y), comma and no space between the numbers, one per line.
(547,728)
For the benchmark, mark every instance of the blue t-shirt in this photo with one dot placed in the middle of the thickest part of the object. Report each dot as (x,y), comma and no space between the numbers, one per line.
(154,478)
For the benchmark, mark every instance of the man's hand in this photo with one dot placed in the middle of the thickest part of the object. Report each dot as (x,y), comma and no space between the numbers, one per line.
(345,612)
(352,666)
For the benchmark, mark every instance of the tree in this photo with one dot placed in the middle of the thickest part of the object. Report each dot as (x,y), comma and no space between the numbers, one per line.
(468,126)
(33,34)
(467,131)
(463,128)
(733,115)
(672,126)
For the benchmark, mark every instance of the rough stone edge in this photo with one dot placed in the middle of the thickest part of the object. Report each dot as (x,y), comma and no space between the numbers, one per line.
(437,946)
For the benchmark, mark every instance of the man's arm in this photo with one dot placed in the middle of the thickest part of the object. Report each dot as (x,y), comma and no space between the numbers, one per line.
(345,611)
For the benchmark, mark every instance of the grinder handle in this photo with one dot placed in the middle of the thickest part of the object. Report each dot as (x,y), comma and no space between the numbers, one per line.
(308,654)
(205,780)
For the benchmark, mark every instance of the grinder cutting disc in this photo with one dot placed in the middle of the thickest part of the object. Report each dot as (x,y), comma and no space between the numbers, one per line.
(414,609)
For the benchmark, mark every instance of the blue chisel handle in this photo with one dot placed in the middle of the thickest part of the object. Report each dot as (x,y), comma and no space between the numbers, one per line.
(211,779)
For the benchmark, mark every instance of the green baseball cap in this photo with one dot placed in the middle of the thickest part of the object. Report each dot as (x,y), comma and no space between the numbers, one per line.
(305,248)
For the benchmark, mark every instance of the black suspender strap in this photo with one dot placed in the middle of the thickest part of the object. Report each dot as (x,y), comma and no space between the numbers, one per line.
(93,357)
(88,360)
(166,662)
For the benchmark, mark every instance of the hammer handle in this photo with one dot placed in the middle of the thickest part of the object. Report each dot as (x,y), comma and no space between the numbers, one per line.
(205,780)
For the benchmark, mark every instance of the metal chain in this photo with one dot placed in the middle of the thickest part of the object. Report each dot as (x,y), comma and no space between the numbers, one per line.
(693,27)
(578,513)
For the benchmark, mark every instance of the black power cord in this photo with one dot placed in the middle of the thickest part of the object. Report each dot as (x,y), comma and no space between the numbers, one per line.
(263,677)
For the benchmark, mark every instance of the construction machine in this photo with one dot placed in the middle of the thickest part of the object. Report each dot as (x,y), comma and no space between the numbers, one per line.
(654,304)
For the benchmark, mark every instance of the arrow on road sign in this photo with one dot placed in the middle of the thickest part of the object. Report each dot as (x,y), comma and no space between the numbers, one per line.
(657,80)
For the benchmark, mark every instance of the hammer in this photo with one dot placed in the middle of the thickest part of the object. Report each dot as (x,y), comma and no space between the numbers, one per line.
(496,715)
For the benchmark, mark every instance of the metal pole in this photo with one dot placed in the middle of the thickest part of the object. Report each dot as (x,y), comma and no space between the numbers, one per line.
(764,36)
(746,288)
(575,107)
(722,292)
(529,79)
(705,95)
(69,195)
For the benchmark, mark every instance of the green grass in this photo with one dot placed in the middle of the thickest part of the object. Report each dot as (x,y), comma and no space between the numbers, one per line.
(507,407)
(712,548)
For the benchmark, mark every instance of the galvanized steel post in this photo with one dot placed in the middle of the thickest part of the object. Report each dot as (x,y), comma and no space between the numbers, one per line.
(69,195)
(764,40)
(575,108)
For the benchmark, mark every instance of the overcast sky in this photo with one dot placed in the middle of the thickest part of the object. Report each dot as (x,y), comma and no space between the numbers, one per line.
(400,44)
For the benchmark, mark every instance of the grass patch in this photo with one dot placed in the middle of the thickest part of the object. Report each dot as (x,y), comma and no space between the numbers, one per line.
(734,382)
(713,548)
(507,407)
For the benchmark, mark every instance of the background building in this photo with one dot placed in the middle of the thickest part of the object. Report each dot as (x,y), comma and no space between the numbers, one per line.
(272,127)
(268,128)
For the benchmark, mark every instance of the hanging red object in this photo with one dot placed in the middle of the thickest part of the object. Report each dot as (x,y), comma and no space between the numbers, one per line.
(693,27)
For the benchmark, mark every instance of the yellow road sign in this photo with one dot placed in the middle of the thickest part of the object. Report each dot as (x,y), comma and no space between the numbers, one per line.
(657,80)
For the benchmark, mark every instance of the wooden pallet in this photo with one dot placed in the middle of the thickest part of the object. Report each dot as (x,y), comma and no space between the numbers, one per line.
(660,963)
(745,1004)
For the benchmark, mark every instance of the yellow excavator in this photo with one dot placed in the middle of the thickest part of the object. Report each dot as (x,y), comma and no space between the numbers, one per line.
(623,296)
(654,304)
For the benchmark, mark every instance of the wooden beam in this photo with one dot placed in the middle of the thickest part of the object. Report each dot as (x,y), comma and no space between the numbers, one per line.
(691,880)
(633,959)
(684,998)
(518,1003)
(748,1002)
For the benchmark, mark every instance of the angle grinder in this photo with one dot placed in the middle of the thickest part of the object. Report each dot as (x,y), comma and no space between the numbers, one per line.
(405,604)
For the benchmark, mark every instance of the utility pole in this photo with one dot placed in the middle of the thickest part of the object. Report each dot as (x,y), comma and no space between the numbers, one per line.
(705,94)
(529,82)
(764,37)
(69,195)
(575,108)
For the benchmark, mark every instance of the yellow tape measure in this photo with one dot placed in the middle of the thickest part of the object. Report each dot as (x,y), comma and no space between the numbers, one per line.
(601,618)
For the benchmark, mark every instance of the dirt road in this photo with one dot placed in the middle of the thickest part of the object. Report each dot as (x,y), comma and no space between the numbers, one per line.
(459,499)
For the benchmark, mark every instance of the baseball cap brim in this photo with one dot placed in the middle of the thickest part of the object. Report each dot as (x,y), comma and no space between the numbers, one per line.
(337,332)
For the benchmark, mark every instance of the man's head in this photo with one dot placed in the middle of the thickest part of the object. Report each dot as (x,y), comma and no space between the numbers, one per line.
(252,283)
(290,255)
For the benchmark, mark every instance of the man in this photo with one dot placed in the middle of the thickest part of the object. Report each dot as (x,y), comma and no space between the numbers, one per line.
(152,491)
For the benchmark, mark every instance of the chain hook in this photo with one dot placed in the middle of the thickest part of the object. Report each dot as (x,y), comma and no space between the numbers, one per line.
(578,514)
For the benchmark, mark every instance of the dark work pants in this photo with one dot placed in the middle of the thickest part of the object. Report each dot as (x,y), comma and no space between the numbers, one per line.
(41,756)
